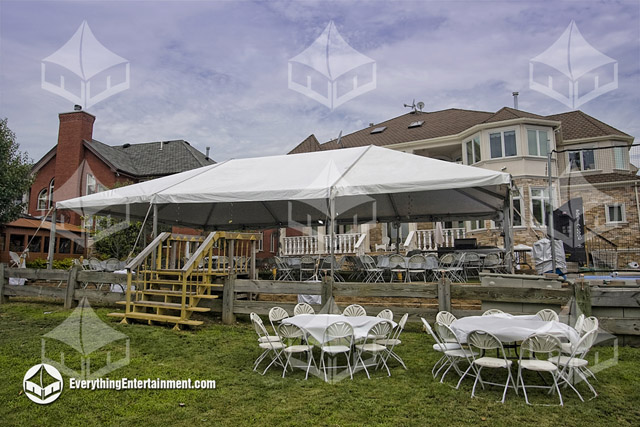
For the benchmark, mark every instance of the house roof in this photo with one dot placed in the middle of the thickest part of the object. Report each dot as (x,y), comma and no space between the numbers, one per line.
(309,145)
(149,159)
(43,225)
(578,125)
(453,121)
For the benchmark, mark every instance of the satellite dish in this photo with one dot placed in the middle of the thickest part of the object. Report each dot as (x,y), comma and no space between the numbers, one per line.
(420,105)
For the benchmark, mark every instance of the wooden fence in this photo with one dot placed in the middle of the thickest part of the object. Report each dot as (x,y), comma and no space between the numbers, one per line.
(618,309)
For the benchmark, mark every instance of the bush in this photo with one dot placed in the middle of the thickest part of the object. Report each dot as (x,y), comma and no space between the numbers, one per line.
(58,264)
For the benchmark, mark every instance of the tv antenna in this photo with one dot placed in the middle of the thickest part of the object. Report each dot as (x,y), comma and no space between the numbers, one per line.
(415,107)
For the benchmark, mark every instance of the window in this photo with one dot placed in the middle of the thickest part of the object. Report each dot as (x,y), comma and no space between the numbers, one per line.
(539,205)
(272,242)
(615,213)
(517,211)
(477,224)
(35,244)
(91,184)
(379,129)
(473,150)
(64,246)
(538,142)
(42,200)
(454,224)
(78,248)
(503,144)
(416,124)
(16,242)
(620,157)
(582,160)
(50,202)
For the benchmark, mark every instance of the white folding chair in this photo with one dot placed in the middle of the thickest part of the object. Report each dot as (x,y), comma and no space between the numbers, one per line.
(394,340)
(416,267)
(283,271)
(576,363)
(303,308)
(548,315)
(271,346)
(295,340)
(373,346)
(373,272)
(337,339)
(531,349)
(276,314)
(354,310)
(483,341)
(397,267)
(492,312)
(445,317)
(440,347)
(385,314)
(457,355)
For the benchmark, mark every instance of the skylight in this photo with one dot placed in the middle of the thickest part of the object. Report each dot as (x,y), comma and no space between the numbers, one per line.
(379,129)
(416,124)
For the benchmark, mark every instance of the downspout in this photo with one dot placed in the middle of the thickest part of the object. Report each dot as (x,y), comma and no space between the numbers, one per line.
(550,227)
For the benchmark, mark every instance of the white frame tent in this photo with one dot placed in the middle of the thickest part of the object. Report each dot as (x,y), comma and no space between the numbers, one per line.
(344,186)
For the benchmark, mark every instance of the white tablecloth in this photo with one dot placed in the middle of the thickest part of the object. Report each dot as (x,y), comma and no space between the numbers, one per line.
(316,324)
(509,328)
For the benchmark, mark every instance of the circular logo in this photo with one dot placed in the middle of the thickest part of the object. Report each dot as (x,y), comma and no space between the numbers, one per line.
(42,384)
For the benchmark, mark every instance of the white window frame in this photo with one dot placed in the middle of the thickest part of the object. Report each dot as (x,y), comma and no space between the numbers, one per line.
(41,204)
(545,203)
(519,200)
(481,225)
(623,213)
(272,242)
(547,142)
(91,184)
(581,153)
(476,152)
(502,146)
(623,156)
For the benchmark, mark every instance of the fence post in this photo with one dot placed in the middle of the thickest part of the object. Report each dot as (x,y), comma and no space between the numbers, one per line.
(444,294)
(72,281)
(3,299)
(228,295)
(327,289)
(582,293)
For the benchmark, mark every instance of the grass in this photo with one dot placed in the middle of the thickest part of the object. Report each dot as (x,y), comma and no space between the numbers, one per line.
(225,353)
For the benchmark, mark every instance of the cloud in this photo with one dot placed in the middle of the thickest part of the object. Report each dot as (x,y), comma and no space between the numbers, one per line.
(215,73)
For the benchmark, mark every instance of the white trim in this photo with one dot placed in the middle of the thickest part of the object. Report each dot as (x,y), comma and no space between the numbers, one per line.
(623,213)
(501,132)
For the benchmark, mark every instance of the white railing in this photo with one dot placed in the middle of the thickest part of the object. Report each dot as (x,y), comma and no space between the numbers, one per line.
(425,240)
(300,245)
(351,243)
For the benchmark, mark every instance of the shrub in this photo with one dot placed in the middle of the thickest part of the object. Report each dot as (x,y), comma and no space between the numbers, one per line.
(58,264)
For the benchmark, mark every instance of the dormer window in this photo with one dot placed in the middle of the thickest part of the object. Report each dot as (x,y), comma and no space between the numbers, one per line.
(378,129)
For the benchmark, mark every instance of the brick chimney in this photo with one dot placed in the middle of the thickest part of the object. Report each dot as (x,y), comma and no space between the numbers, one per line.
(75,127)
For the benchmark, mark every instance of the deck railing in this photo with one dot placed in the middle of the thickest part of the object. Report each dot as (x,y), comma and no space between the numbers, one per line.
(349,243)
(425,240)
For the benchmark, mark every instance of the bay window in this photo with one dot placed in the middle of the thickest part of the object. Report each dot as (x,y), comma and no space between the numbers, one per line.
(503,144)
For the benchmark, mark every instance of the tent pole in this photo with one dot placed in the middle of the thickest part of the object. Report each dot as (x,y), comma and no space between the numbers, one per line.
(155,221)
(52,241)
(550,226)
(332,209)
(508,236)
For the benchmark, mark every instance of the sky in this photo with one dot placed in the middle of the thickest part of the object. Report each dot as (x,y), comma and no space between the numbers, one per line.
(216,73)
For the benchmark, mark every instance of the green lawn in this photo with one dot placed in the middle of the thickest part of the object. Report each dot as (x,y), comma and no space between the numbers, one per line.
(243,397)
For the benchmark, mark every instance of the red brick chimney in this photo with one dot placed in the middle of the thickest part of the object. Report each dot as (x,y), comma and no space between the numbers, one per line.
(75,127)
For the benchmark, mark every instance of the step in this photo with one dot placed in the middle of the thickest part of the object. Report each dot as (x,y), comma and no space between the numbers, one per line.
(169,293)
(162,304)
(157,318)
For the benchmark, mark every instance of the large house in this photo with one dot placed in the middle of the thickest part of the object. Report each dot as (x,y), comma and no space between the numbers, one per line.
(591,161)
(79,165)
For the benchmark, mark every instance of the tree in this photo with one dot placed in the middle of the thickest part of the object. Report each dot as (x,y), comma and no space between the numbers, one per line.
(15,175)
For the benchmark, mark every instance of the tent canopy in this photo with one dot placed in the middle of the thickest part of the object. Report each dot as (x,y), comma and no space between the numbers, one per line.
(365,183)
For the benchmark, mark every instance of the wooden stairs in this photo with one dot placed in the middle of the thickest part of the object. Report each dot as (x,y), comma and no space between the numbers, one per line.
(169,279)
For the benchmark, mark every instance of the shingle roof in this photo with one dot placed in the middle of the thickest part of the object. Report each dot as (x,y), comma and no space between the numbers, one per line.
(148,160)
(309,145)
(575,125)
(436,124)
(578,125)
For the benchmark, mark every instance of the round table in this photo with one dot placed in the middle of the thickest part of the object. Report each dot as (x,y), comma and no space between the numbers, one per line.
(509,328)
(316,324)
